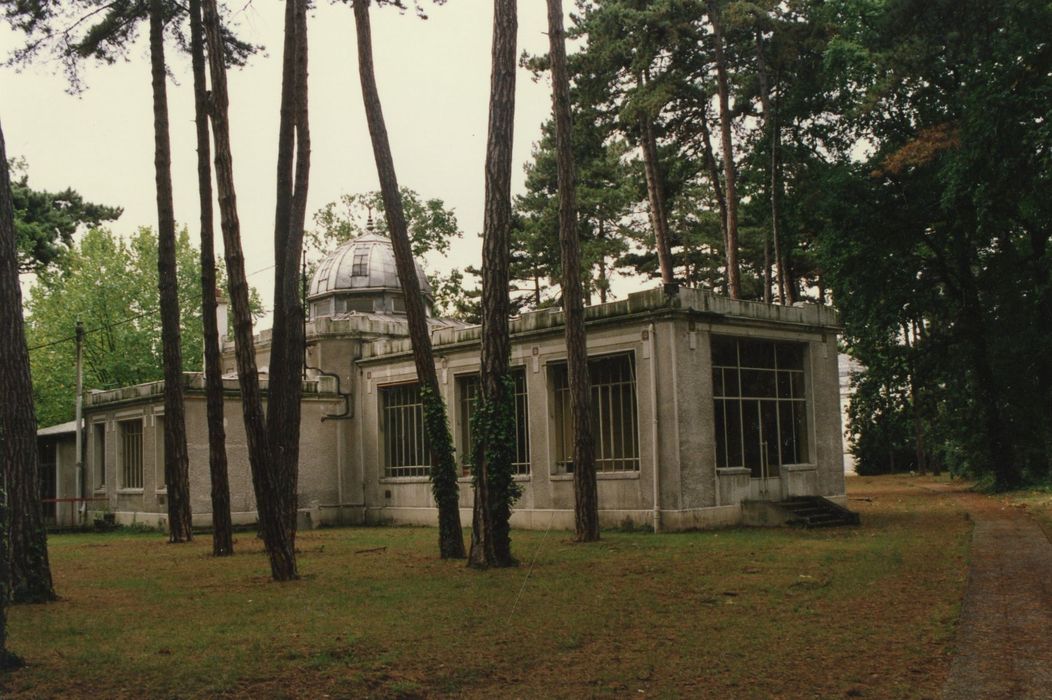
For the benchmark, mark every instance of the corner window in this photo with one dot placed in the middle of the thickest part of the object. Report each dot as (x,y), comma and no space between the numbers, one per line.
(469,388)
(406,449)
(130,453)
(761,407)
(615,421)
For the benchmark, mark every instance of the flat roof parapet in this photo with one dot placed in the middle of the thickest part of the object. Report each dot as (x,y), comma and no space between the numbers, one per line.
(195,382)
(650,301)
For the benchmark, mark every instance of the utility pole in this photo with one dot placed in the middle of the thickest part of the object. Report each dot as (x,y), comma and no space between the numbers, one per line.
(79,335)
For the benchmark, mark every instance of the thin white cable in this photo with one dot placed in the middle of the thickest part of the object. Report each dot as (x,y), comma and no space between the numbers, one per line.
(529,571)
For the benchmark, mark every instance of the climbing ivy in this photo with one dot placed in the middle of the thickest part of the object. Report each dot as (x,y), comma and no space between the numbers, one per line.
(443,466)
(493,448)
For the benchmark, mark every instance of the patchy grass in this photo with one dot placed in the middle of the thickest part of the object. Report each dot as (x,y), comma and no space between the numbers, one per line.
(1038,502)
(859,612)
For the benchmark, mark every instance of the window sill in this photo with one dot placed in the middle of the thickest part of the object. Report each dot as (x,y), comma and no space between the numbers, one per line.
(129,491)
(600,476)
(799,467)
(405,479)
(517,478)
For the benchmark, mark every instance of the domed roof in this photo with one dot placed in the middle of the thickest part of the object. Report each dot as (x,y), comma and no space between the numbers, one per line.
(362,264)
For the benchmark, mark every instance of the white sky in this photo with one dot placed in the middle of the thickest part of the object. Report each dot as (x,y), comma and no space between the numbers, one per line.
(434,83)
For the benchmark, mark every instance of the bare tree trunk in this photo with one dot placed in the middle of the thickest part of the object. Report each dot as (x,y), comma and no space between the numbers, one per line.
(770,119)
(586,500)
(493,426)
(443,463)
(729,176)
(30,571)
(265,480)
(714,177)
(176,462)
(222,528)
(286,359)
(8,660)
(656,197)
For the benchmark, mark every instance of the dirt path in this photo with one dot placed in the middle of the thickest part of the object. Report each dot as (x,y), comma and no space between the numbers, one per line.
(1004,640)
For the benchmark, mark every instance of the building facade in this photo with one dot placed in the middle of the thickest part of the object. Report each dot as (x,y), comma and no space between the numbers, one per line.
(701,406)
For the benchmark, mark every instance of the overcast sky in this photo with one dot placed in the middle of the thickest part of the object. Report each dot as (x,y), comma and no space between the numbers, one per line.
(433,77)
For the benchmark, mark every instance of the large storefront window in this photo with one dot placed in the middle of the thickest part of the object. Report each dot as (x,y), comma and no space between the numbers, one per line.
(761,407)
(469,387)
(406,450)
(614,418)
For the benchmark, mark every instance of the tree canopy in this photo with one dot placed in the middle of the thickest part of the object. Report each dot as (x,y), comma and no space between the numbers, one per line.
(109,284)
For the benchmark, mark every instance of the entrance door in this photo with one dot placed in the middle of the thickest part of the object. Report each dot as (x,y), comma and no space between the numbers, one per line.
(760,420)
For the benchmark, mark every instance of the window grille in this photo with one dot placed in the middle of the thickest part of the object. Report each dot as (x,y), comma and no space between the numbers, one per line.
(406,449)
(470,388)
(160,483)
(760,403)
(615,421)
(131,453)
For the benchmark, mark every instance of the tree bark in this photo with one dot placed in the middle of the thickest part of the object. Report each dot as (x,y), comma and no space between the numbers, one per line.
(729,176)
(265,481)
(286,355)
(770,119)
(443,463)
(222,528)
(8,660)
(30,571)
(493,428)
(586,500)
(714,177)
(656,198)
(176,462)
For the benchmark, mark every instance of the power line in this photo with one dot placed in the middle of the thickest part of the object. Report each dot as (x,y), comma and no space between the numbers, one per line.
(105,326)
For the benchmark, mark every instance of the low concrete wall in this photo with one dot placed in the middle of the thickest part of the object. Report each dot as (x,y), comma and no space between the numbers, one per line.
(799,480)
(734,485)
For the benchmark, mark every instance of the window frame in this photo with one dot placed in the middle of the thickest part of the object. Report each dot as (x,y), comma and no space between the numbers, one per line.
(521,468)
(386,432)
(561,421)
(122,464)
(793,380)
(98,455)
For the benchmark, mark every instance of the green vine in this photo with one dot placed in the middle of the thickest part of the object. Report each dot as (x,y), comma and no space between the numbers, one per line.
(443,472)
(493,445)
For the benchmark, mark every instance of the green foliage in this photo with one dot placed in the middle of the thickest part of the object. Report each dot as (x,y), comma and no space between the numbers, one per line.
(46,221)
(109,284)
(493,445)
(444,475)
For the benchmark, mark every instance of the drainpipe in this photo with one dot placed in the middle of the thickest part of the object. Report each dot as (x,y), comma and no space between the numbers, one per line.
(654,429)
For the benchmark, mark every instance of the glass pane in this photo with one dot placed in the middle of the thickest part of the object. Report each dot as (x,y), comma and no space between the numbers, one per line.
(758,383)
(751,436)
(731,385)
(785,388)
(717,382)
(788,434)
(800,431)
(732,414)
(724,351)
(769,421)
(721,435)
(757,353)
(790,355)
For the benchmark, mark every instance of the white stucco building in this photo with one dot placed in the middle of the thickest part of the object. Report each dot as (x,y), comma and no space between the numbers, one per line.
(704,408)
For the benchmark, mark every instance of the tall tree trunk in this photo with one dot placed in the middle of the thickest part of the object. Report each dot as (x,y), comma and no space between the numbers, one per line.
(265,481)
(222,528)
(656,197)
(586,500)
(286,358)
(729,176)
(443,463)
(770,122)
(30,571)
(714,177)
(176,462)
(8,660)
(1000,455)
(493,426)
(920,453)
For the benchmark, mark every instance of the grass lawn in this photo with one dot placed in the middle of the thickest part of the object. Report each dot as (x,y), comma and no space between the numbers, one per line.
(752,613)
